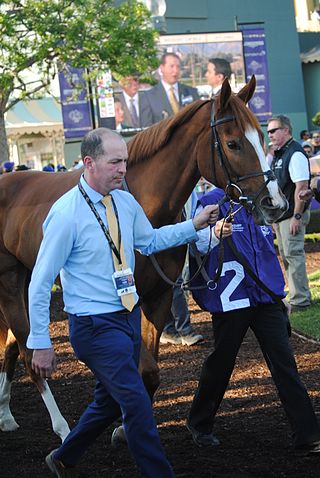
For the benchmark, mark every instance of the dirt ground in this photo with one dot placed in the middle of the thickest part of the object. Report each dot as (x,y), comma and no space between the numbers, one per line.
(254,433)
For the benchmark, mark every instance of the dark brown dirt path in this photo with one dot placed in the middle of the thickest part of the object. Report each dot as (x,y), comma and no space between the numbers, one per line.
(255,436)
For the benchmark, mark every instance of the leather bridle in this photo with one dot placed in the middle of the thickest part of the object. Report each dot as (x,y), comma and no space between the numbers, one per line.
(233,179)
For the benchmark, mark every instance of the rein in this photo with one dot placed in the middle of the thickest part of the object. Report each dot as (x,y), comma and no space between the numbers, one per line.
(201,260)
(210,283)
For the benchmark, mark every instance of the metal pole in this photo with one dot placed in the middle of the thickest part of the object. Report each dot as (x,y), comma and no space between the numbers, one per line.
(235,23)
(93,118)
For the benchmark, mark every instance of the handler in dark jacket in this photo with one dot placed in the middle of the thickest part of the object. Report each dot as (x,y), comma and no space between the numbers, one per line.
(292,170)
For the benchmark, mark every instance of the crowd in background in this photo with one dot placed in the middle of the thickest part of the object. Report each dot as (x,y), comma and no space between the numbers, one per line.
(310,142)
(10,166)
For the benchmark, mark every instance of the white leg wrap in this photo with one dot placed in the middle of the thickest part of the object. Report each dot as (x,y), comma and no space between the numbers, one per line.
(59,424)
(7,422)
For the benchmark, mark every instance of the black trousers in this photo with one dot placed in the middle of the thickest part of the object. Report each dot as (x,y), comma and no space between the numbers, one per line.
(270,326)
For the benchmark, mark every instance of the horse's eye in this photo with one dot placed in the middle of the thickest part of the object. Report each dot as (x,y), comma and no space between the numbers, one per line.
(233,145)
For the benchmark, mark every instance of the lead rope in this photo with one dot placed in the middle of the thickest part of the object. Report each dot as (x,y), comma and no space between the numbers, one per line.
(201,260)
(211,283)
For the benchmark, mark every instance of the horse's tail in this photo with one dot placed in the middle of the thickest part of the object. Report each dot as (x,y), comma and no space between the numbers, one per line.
(3,332)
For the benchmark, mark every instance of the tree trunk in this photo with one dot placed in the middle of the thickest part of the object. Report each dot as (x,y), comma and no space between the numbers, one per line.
(4,149)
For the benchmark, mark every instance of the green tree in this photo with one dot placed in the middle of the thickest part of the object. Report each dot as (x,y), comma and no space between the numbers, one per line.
(43,36)
(316,119)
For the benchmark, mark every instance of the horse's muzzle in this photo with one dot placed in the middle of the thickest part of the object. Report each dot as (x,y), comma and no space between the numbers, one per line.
(266,212)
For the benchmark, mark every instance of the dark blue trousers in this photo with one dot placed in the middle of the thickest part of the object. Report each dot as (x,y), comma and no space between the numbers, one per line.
(270,326)
(109,344)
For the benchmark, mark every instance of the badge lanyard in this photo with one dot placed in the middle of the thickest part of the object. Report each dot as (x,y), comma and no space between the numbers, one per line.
(103,227)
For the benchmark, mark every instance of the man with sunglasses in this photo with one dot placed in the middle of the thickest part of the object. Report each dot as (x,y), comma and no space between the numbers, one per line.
(291,168)
(315,142)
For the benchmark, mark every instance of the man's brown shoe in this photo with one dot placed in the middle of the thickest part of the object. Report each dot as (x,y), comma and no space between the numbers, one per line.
(57,468)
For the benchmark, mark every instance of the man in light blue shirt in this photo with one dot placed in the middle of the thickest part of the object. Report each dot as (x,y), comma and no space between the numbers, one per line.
(104,335)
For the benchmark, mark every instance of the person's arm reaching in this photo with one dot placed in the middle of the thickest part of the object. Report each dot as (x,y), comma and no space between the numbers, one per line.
(298,207)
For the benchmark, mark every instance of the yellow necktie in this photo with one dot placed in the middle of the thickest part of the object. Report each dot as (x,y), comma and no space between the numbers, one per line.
(173,101)
(128,300)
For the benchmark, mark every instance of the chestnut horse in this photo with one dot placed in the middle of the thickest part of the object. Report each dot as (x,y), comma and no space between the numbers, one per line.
(218,139)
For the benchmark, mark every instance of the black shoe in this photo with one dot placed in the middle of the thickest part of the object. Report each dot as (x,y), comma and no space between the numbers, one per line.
(118,437)
(314,448)
(203,439)
(57,468)
(310,449)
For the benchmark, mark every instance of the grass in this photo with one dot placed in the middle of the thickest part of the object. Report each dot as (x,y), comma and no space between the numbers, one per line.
(308,322)
(314,237)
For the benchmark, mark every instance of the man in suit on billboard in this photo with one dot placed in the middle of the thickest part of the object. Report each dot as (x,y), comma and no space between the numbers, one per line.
(134,104)
(217,70)
(169,95)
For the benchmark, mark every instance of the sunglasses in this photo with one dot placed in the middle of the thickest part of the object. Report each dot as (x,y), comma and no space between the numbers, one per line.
(273,130)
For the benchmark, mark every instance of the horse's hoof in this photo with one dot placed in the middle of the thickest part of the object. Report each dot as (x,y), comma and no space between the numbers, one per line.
(9,425)
(63,432)
(118,437)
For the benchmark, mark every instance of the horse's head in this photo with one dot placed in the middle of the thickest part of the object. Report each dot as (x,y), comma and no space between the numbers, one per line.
(238,161)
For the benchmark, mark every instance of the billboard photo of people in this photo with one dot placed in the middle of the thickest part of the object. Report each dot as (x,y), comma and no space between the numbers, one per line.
(196,49)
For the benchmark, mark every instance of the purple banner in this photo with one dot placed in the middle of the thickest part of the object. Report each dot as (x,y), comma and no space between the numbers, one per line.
(76,111)
(255,54)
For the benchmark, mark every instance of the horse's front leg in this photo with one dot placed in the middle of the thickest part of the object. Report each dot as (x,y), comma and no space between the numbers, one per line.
(11,353)
(7,421)
(152,326)
(154,317)
(149,371)
(13,318)
(151,377)
(59,423)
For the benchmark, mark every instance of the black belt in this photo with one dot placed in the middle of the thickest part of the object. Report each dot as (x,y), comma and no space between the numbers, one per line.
(126,311)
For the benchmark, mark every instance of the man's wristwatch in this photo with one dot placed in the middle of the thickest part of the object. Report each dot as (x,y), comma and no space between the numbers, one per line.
(297,216)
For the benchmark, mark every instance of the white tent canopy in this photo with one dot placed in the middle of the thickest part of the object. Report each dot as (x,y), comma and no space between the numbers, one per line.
(41,116)
(35,132)
(311,56)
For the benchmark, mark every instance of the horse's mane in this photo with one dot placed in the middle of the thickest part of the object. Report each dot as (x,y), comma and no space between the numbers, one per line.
(145,144)
(148,142)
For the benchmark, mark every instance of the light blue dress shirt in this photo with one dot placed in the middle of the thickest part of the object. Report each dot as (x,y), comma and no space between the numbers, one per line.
(75,246)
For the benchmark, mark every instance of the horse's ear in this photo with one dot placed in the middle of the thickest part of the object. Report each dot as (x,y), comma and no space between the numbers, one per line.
(225,94)
(246,93)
